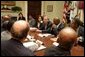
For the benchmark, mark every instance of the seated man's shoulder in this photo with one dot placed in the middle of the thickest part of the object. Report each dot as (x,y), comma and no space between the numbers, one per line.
(14,49)
(3,42)
(56,51)
(50,51)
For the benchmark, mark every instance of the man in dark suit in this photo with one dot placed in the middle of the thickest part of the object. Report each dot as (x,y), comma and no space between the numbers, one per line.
(57,26)
(78,26)
(6,35)
(66,40)
(45,27)
(32,21)
(14,46)
(3,19)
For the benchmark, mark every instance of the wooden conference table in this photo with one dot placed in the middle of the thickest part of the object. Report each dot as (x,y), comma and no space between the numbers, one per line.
(76,50)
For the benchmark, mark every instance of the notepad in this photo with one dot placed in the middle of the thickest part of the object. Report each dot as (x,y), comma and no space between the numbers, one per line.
(33,46)
(28,44)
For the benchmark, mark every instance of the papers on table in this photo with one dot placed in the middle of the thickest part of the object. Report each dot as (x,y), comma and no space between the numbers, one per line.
(44,35)
(41,47)
(28,44)
(33,46)
(31,38)
(41,35)
(33,28)
(55,44)
(39,42)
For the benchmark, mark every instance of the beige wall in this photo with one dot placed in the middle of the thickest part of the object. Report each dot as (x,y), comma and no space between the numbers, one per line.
(23,5)
(57,9)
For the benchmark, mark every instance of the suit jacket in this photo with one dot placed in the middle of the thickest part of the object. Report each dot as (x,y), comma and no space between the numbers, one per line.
(47,29)
(80,32)
(5,35)
(13,47)
(56,51)
(39,24)
(56,30)
(32,23)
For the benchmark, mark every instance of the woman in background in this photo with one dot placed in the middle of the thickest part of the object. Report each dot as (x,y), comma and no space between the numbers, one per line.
(39,21)
(21,17)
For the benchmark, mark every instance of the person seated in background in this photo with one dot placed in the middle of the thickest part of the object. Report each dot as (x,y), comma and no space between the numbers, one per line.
(57,26)
(77,25)
(20,16)
(66,39)
(3,19)
(32,21)
(40,20)
(45,26)
(14,46)
(6,35)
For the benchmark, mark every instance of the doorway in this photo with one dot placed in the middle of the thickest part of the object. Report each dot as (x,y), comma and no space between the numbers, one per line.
(34,8)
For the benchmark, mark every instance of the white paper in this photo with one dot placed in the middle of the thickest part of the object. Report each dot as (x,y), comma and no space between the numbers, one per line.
(31,38)
(55,44)
(27,44)
(44,35)
(41,35)
(41,47)
(31,45)
(33,28)
(39,42)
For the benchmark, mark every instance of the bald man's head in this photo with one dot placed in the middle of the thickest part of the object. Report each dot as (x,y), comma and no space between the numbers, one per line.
(20,29)
(67,37)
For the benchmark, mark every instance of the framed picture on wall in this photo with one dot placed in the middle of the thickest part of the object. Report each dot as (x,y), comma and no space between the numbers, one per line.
(9,3)
(49,8)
